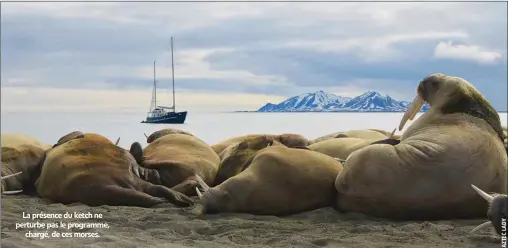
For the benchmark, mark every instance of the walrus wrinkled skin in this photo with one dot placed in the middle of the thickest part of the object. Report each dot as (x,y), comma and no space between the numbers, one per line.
(163,132)
(340,148)
(276,181)
(287,139)
(21,156)
(497,213)
(177,157)
(366,134)
(235,155)
(90,169)
(456,143)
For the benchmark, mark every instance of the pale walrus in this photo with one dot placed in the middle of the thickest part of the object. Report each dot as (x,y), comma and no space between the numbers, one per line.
(276,181)
(287,139)
(90,169)
(177,157)
(340,148)
(235,155)
(456,143)
(21,156)
(497,213)
(366,134)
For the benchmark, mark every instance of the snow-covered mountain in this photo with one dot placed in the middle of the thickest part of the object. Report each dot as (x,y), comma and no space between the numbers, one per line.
(320,101)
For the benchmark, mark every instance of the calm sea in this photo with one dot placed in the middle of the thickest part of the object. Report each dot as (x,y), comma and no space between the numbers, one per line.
(210,127)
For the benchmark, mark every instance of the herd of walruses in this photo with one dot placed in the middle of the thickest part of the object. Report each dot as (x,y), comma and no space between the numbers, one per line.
(435,170)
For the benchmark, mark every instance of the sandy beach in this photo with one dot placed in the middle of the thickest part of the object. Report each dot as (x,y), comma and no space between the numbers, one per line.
(167,226)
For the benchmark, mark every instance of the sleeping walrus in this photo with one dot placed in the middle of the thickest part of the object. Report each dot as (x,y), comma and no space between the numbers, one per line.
(277,180)
(235,155)
(176,158)
(21,156)
(90,169)
(287,139)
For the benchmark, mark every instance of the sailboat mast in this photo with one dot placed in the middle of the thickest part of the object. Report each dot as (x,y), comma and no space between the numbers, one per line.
(154,87)
(173,74)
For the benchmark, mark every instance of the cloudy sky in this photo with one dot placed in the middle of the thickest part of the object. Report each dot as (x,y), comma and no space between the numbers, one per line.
(238,56)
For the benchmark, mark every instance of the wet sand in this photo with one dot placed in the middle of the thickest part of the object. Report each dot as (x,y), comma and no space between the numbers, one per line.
(167,226)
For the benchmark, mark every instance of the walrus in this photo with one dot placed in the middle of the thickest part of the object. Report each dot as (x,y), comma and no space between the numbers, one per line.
(177,157)
(498,206)
(90,169)
(456,143)
(287,139)
(366,134)
(235,155)
(163,132)
(277,181)
(340,148)
(21,156)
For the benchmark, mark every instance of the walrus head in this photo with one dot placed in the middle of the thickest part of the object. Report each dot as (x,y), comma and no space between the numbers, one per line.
(452,95)
(292,140)
(497,212)
(163,132)
(235,155)
(212,200)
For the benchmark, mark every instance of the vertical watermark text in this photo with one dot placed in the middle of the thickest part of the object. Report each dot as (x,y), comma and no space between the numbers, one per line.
(503,232)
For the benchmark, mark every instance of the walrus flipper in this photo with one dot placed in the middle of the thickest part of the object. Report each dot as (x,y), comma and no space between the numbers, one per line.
(117,196)
(136,151)
(388,141)
(174,197)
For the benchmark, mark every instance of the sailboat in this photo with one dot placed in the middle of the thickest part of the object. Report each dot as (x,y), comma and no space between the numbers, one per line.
(161,114)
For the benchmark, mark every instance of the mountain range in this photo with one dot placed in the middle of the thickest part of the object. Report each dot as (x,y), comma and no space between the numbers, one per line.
(320,101)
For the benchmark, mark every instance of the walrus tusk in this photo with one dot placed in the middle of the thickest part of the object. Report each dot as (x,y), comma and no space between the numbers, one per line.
(117,141)
(202,183)
(485,196)
(12,192)
(393,132)
(481,226)
(411,111)
(198,192)
(146,136)
(15,174)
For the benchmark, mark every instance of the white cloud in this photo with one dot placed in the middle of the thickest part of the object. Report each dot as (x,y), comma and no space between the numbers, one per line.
(191,64)
(447,50)
(34,99)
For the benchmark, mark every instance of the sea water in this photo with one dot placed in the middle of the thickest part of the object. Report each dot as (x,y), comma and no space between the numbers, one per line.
(210,127)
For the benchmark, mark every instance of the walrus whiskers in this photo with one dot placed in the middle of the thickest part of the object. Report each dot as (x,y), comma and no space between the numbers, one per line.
(117,141)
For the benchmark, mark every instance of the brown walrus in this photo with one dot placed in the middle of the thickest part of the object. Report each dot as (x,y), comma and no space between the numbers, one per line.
(21,156)
(235,155)
(456,143)
(276,181)
(90,169)
(177,157)
(163,132)
(287,139)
